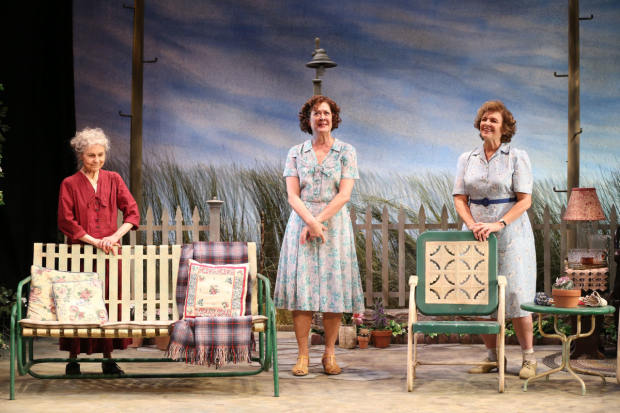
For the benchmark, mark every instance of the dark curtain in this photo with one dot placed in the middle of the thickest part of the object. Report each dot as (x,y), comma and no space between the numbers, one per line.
(36,69)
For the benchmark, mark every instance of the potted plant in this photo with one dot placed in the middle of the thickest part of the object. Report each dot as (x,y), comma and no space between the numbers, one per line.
(398,330)
(380,332)
(162,342)
(564,296)
(347,332)
(363,337)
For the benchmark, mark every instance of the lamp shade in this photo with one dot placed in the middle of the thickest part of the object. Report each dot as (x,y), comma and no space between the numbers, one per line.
(584,205)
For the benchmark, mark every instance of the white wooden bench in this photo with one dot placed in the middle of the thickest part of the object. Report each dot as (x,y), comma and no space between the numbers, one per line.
(148,281)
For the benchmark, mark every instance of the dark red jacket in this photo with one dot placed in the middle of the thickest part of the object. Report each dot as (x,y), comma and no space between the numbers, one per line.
(82,211)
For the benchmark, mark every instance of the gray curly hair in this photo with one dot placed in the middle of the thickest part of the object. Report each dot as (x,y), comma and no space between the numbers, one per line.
(88,137)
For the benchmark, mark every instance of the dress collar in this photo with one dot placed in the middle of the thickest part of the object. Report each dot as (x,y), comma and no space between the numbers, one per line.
(92,194)
(336,146)
(503,148)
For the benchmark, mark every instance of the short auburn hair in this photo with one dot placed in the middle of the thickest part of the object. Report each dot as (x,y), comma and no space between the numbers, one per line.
(509,124)
(312,104)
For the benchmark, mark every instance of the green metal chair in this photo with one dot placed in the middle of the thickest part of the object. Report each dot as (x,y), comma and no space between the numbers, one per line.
(457,276)
(156,269)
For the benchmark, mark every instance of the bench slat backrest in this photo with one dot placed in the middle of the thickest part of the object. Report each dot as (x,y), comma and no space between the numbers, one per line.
(151,270)
(157,265)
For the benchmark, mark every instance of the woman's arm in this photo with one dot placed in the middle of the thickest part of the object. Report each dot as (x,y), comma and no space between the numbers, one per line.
(340,200)
(314,227)
(108,242)
(335,205)
(482,230)
(461,204)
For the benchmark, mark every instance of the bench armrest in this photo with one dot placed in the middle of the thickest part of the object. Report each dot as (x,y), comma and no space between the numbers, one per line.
(262,280)
(413,280)
(19,304)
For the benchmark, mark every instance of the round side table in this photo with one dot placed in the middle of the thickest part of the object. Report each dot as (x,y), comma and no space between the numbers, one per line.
(566,340)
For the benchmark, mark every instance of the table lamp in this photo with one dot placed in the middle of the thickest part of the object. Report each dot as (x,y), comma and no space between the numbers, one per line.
(584,206)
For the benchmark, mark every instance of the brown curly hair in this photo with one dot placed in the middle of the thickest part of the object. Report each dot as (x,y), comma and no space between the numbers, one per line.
(312,104)
(509,124)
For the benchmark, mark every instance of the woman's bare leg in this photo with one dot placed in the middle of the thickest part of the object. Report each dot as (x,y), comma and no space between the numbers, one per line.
(331,322)
(302,321)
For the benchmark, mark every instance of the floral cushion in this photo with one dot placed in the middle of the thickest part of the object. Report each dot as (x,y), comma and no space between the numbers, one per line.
(216,290)
(41,301)
(80,301)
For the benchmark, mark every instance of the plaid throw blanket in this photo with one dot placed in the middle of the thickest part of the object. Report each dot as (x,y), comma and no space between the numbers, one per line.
(214,253)
(212,340)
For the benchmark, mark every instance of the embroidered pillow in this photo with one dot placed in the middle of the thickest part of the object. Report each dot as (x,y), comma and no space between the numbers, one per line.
(80,301)
(216,290)
(41,301)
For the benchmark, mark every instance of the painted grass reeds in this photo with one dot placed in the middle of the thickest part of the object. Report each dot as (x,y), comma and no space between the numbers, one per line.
(249,191)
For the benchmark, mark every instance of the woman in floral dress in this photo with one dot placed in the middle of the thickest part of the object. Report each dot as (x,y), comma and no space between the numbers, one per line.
(318,268)
(491,194)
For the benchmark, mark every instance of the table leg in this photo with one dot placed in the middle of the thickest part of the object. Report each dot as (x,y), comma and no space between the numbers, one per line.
(566,341)
(571,369)
(562,338)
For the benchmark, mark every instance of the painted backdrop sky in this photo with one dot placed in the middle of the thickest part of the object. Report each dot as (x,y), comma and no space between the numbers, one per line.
(231,77)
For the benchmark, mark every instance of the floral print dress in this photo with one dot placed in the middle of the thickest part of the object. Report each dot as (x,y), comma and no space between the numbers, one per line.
(315,276)
(507,172)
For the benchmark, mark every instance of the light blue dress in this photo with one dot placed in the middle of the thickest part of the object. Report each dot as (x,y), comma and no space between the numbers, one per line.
(507,172)
(315,276)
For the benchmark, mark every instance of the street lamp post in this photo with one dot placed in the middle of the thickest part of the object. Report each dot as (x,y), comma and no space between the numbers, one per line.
(320,62)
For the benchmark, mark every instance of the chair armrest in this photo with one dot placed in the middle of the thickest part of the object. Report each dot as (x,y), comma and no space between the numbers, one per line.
(413,280)
(501,280)
(19,303)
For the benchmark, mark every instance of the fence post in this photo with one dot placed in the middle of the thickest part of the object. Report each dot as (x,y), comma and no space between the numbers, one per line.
(195,223)
(149,226)
(385,249)
(613,222)
(262,243)
(165,222)
(401,257)
(178,227)
(368,225)
(547,248)
(444,218)
(422,219)
(214,219)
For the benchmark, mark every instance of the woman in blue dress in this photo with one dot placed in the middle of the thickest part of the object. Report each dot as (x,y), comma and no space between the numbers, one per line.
(499,173)
(318,268)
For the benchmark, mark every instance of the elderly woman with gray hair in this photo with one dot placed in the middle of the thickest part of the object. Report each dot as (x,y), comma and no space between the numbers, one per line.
(87,212)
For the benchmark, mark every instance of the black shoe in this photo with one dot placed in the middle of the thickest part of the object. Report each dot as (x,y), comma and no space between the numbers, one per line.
(111,368)
(72,369)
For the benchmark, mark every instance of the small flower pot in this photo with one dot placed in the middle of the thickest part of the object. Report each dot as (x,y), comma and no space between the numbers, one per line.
(135,343)
(363,341)
(162,342)
(346,336)
(381,339)
(566,298)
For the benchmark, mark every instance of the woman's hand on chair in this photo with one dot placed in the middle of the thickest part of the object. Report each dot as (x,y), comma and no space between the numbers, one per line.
(482,230)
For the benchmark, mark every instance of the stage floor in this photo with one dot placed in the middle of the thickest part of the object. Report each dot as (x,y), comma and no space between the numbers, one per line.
(372,379)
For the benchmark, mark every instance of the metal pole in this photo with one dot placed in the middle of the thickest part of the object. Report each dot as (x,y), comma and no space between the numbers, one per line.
(317,84)
(135,150)
(572,177)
